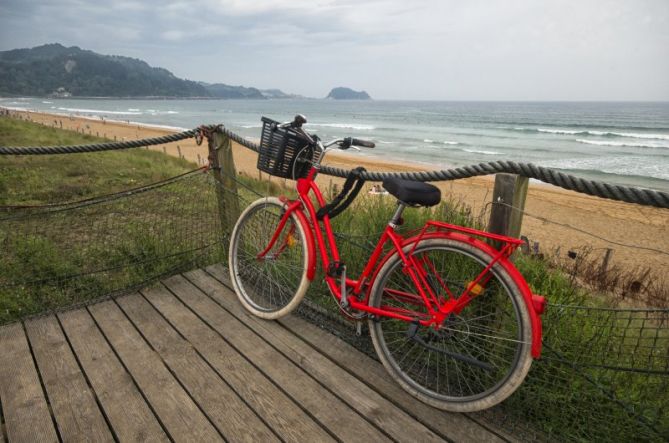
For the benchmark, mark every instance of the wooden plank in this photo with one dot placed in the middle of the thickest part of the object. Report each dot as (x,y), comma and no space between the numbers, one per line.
(77,414)
(128,413)
(233,418)
(177,411)
(24,406)
(286,419)
(397,423)
(340,419)
(454,426)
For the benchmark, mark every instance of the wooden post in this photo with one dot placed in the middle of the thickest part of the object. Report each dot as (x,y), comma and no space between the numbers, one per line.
(223,165)
(179,151)
(508,203)
(605,261)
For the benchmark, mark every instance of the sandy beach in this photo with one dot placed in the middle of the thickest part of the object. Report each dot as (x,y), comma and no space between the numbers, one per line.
(565,217)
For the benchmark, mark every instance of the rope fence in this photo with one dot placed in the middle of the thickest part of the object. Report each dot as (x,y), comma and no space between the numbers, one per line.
(604,374)
(629,194)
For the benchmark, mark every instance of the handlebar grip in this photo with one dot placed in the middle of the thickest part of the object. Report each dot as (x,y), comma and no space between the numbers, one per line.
(363,143)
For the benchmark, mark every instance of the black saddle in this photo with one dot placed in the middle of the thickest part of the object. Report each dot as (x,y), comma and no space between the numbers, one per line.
(413,193)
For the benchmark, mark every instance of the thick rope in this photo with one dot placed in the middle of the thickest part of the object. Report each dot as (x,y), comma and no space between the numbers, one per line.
(97,147)
(647,197)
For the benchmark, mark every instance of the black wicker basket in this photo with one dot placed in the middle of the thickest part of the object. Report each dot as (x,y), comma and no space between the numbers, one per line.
(279,151)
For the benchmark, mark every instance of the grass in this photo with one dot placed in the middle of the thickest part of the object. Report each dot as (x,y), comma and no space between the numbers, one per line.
(34,180)
(56,259)
(53,259)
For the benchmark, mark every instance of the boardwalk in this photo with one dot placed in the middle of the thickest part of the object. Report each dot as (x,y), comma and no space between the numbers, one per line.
(182,361)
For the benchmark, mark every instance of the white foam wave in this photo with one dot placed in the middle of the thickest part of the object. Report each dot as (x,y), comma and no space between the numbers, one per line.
(477,151)
(632,135)
(133,109)
(427,140)
(99,111)
(451,143)
(622,165)
(47,103)
(344,126)
(641,135)
(559,131)
(251,126)
(622,144)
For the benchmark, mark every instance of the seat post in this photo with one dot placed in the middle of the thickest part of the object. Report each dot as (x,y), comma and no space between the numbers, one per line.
(397,217)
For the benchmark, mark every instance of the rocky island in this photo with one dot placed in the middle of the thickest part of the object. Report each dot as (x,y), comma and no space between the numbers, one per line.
(342,93)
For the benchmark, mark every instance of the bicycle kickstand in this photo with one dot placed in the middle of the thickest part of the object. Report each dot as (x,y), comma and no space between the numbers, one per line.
(344,296)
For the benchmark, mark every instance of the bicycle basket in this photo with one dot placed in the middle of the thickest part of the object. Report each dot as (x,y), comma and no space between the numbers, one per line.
(279,151)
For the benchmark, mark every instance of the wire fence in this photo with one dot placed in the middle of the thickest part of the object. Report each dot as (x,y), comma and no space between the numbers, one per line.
(603,376)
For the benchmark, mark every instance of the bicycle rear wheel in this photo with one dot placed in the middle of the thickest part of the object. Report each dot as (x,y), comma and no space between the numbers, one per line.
(273,285)
(478,357)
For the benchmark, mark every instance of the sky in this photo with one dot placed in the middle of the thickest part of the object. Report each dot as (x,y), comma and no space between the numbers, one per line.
(393,49)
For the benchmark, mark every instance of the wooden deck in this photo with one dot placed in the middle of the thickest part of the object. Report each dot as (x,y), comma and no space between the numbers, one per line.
(184,362)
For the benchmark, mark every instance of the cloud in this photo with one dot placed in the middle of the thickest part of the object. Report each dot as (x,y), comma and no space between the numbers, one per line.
(432,49)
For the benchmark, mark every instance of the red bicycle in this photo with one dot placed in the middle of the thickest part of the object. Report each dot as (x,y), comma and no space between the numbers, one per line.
(451,318)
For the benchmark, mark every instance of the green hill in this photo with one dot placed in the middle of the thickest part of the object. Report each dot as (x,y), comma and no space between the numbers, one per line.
(56,70)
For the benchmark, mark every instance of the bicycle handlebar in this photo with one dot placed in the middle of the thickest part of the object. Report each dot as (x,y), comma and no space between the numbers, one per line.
(343,143)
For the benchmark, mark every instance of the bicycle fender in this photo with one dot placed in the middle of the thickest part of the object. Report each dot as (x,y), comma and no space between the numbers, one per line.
(535,303)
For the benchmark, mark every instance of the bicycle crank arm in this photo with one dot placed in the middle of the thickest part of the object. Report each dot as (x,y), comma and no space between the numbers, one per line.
(412,333)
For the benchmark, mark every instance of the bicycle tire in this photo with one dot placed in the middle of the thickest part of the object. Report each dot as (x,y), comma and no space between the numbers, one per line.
(268,288)
(466,387)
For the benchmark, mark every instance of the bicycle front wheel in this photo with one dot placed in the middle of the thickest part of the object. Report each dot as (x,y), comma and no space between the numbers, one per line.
(476,358)
(270,285)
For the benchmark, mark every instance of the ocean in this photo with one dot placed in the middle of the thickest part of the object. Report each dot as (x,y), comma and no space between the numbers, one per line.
(622,143)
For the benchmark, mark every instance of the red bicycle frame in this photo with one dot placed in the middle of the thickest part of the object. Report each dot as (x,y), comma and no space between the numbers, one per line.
(437,309)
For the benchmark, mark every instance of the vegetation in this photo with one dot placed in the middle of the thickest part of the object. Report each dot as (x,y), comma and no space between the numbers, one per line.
(60,71)
(33,180)
(55,257)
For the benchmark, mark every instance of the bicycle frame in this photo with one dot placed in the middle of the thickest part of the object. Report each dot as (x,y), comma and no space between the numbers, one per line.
(437,310)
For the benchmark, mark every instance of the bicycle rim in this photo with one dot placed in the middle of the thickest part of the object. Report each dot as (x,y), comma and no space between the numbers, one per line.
(273,285)
(479,356)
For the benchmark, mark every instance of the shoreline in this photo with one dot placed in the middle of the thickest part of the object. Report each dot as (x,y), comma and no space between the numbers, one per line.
(620,222)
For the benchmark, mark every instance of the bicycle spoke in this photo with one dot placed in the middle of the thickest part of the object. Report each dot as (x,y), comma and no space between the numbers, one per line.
(469,355)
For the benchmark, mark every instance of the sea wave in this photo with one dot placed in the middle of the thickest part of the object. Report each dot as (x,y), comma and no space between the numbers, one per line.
(622,144)
(99,111)
(478,151)
(358,127)
(621,165)
(445,142)
(641,135)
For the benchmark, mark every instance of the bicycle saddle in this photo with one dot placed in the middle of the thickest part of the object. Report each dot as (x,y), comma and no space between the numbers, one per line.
(413,193)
